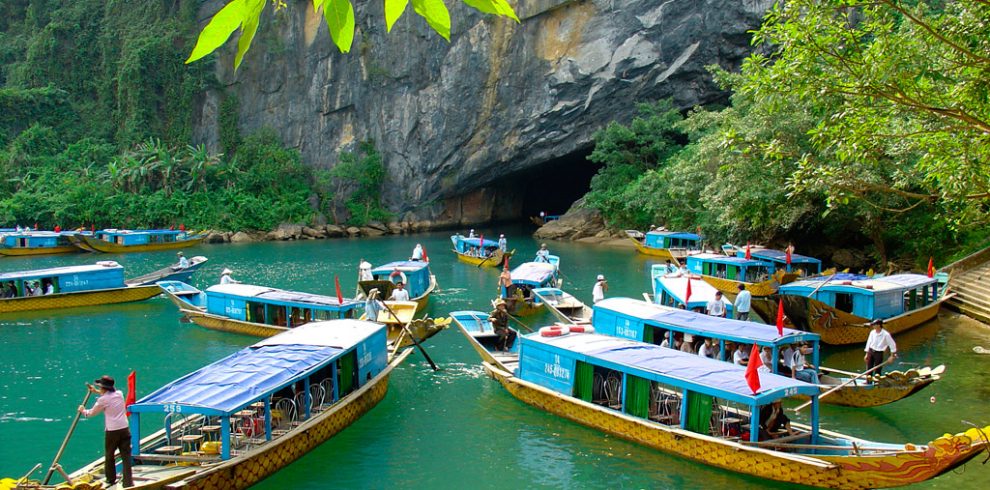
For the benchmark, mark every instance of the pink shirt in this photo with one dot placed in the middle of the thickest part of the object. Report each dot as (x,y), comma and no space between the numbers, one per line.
(115,413)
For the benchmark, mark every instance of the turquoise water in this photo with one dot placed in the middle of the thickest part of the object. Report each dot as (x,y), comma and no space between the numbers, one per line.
(455,428)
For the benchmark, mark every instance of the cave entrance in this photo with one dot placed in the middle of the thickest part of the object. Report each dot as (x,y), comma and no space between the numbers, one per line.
(554,185)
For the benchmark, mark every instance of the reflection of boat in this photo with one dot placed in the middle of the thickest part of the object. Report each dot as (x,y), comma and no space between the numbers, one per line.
(37,242)
(415,275)
(474,325)
(672,290)
(638,320)
(170,273)
(527,276)
(702,409)
(81,285)
(727,273)
(242,418)
(840,307)
(122,241)
(674,246)
(563,305)
(472,251)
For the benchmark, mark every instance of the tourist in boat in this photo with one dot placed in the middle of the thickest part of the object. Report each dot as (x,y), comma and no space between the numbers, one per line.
(505,282)
(36,289)
(799,366)
(10,290)
(417,254)
(683,270)
(669,268)
(503,244)
(740,356)
(687,346)
(766,356)
(500,323)
(364,271)
(706,349)
(598,291)
(117,436)
(47,287)
(471,233)
(183,262)
(399,293)
(542,255)
(786,358)
(742,303)
(373,306)
(226,279)
(773,422)
(716,307)
(879,341)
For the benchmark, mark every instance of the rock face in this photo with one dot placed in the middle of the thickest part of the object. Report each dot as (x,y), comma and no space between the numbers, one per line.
(578,222)
(457,122)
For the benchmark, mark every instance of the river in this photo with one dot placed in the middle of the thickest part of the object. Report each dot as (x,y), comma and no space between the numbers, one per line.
(455,428)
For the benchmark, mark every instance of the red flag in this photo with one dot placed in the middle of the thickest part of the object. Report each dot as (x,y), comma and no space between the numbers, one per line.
(780,317)
(789,249)
(340,297)
(58,228)
(426,258)
(131,390)
(505,263)
(931,267)
(748,255)
(752,369)
(92,228)
(687,295)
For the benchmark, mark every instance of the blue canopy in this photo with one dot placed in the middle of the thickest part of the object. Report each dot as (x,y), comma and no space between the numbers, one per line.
(723,259)
(61,271)
(248,291)
(402,265)
(476,242)
(780,256)
(533,273)
(676,234)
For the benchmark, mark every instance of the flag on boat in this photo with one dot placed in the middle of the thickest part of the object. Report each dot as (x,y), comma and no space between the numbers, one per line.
(336,282)
(780,316)
(687,295)
(131,390)
(752,369)
(748,255)
(426,258)
(788,251)
(931,267)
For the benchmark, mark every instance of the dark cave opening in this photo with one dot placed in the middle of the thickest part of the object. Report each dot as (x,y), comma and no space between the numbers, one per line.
(554,185)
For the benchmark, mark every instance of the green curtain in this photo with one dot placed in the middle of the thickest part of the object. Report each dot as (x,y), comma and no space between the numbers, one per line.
(912,299)
(648,334)
(345,371)
(637,396)
(584,381)
(699,412)
(730,271)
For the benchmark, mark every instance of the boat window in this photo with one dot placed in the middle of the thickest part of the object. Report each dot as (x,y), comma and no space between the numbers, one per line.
(756,274)
(844,302)
(319,315)
(347,374)
(664,404)
(256,312)
(24,242)
(729,420)
(699,413)
(296,316)
(275,315)
(607,388)
(911,300)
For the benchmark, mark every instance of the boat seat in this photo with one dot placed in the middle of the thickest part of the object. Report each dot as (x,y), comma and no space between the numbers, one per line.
(168,450)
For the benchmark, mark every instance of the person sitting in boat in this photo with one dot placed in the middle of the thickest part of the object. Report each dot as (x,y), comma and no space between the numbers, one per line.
(766,356)
(183,262)
(36,289)
(683,270)
(706,349)
(786,357)
(500,324)
(399,293)
(542,255)
(505,283)
(471,233)
(716,307)
(669,268)
(364,271)
(373,305)
(598,291)
(878,342)
(503,244)
(47,287)
(226,279)
(799,367)
(687,345)
(10,290)
(774,422)
(417,254)
(740,356)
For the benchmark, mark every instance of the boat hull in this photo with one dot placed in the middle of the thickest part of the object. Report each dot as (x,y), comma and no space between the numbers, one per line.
(107,247)
(496,260)
(874,395)
(662,253)
(840,328)
(83,298)
(846,472)
(730,287)
(21,251)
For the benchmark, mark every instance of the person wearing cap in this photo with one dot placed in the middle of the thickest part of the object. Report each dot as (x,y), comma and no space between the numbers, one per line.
(716,307)
(417,254)
(742,304)
(598,292)
(364,271)
(542,255)
(500,324)
(503,244)
(399,293)
(373,306)
(183,262)
(226,279)
(878,341)
(117,436)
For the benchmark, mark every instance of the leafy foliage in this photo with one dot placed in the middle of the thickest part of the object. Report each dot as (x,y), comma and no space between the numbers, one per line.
(354,184)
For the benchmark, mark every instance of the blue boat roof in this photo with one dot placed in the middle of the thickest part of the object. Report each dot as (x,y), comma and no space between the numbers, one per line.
(403,266)
(235,381)
(534,273)
(695,372)
(675,234)
(248,291)
(723,259)
(476,242)
(885,283)
(60,271)
(781,256)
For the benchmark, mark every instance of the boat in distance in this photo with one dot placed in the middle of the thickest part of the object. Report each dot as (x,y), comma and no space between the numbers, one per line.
(414,274)
(123,241)
(674,246)
(31,242)
(475,252)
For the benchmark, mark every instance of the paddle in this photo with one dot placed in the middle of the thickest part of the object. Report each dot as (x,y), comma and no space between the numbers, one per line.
(65,442)
(405,328)
(527,327)
(850,380)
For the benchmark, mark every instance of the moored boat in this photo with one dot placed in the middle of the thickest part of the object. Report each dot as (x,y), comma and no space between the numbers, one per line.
(399,316)
(703,409)
(122,241)
(519,297)
(171,273)
(292,392)
(38,242)
(475,252)
(674,246)
(671,289)
(564,306)
(81,285)
(840,307)
(477,328)
(727,273)
(415,276)
(791,265)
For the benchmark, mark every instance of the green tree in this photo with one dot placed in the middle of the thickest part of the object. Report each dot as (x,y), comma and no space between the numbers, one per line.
(357,180)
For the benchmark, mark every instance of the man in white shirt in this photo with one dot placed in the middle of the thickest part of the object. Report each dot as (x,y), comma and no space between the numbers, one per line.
(787,358)
(799,366)
(503,244)
(471,233)
(598,292)
(716,307)
(766,356)
(740,357)
(117,436)
(364,271)
(706,349)
(417,253)
(879,341)
(742,304)
(399,293)
(226,279)
(183,261)
(542,255)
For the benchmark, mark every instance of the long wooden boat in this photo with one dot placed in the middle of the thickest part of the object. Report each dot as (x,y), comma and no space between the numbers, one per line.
(790,268)
(476,327)
(645,322)
(475,252)
(519,297)
(123,241)
(404,317)
(170,273)
(671,289)
(82,285)
(702,409)
(727,273)
(415,276)
(38,242)
(292,392)
(674,246)
(564,306)
(840,307)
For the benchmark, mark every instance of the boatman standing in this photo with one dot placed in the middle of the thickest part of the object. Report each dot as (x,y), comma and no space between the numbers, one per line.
(399,293)
(364,271)
(716,307)
(742,303)
(417,254)
(183,262)
(543,255)
(373,306)
(503,244)
(117,436)
(878,341)
(226,279)
(598,292)
(504,282)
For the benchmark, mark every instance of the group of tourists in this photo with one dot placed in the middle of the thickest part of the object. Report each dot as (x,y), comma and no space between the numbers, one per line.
(31,288)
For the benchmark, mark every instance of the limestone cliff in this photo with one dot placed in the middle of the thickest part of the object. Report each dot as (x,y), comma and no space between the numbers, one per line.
(456,121)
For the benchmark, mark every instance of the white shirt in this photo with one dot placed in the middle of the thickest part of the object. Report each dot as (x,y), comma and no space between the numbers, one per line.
(598,292)
(716,307)
(183,262)
(788,357)
(542,255)
(399,295)
(797,362)
(112,405)
(226,279)
(705,351)
(742,301)
(503,244)
(880,341)
(739,357)
(364,269)
(417,253)
(50,289)
(767,366)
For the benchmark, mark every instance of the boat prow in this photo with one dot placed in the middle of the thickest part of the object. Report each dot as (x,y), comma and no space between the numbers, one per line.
(170,273)
(184,296)
(477,329)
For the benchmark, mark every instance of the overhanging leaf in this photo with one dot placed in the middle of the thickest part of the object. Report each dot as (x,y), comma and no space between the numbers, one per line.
(221,26)
(340,21)
(248,29)
(497,7)
(393,10)
(436,14)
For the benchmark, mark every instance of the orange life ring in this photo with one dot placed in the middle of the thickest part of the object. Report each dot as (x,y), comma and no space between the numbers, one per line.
(554,331)
(581,329)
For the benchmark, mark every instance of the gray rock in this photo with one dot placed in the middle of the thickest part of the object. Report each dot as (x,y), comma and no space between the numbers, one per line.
(578,222)
(369,231)
(353,231)
(286,231)
(217,237)
(395,228)
(242,237)
(314,232)
(335,231)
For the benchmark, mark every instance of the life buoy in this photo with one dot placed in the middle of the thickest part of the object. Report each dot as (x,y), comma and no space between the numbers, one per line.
(581,329)
(554,331)
(401,276)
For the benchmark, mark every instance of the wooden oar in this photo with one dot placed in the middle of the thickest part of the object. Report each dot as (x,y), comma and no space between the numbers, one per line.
(527,327)
(65,442)
(833,390)
(405,328)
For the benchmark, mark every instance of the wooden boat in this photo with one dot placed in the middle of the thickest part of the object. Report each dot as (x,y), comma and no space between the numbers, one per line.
(415,275)
(674,246)
(473,251)
(670,289)
(476,327)
(405,311)
(727,273)
(122,241)
(792,268)
(702,409)
(82,285)
(519,299)
(564,306)
(840,307)
(645,322)
(170,273)
(292,392)
(37,242)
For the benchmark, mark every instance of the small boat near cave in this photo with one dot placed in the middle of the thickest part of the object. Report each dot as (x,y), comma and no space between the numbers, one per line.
(674,246)
(474,251)
(415,276)
(564,306)
(671,289)
(727,273)
(123,241)
(38,242)
(527,276)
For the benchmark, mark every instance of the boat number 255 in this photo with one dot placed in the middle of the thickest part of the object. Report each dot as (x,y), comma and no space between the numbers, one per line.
(173,408)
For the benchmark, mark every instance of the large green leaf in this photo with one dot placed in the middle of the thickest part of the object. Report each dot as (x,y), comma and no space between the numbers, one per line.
(497,7)
(393,10)
(221,26)
(340,20)
(436,14)
(249,28)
